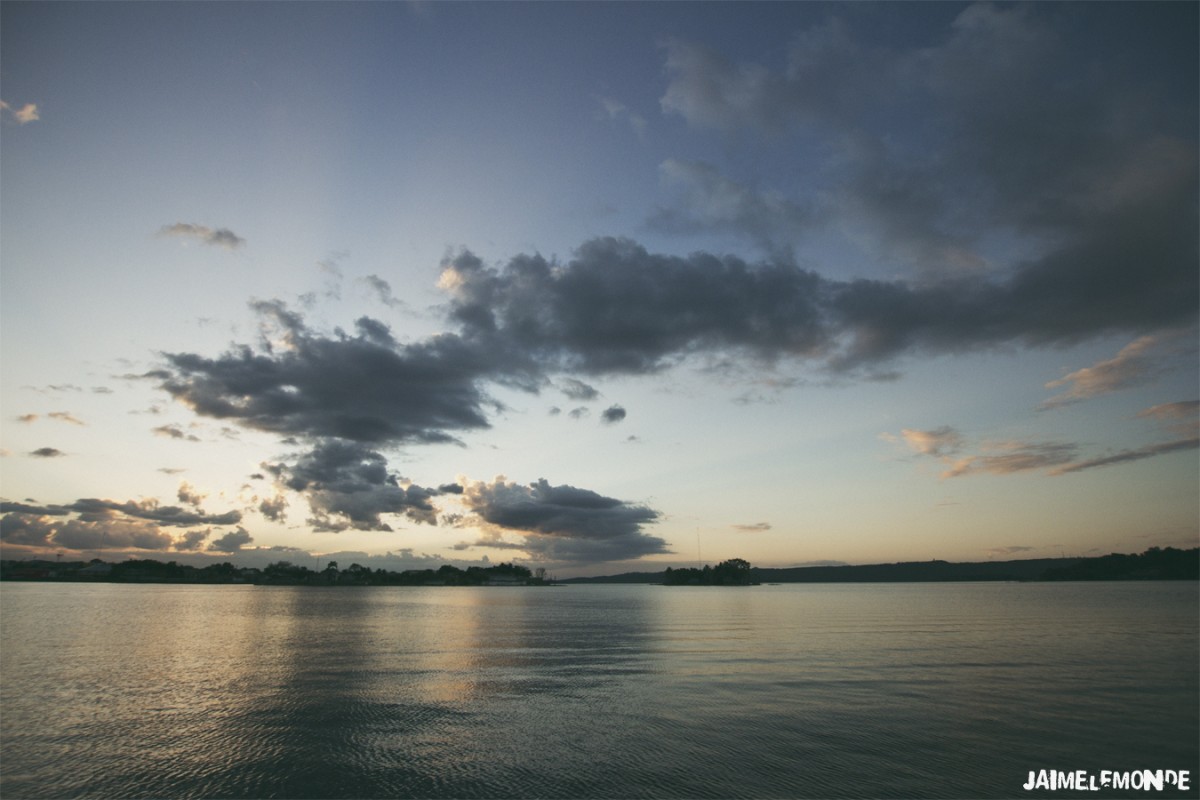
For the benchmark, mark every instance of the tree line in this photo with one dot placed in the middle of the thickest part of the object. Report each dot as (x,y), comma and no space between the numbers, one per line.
(279,573)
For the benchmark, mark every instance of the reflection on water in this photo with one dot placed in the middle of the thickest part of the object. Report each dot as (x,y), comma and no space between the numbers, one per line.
(590,691)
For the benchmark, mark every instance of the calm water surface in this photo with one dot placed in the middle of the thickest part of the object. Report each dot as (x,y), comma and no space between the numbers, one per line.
(852,690)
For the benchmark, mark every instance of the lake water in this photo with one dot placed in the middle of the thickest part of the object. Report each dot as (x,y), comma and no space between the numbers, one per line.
(850,690)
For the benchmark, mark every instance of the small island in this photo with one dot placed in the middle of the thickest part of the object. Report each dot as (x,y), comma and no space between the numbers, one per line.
(734,572)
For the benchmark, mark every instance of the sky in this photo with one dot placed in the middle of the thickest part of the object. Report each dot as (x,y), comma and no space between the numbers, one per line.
(597,287)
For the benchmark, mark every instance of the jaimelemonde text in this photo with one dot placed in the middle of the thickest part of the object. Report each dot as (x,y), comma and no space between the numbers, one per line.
(1150,780)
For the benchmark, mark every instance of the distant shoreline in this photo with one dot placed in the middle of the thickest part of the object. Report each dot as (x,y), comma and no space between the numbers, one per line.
(1155,564)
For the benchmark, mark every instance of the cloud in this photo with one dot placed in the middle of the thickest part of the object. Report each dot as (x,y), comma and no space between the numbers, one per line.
(710,91)
(47,452)
(757,527)
(24,115)
(349,486)
(188,495)
(711,203)
(929,150)
(615,110)
(382,290)
(1006,458)
(149,509)
(274,508)
(362,388)
(231,542)
(612,415)
(1132,366)
(219,237)
(116,533)
(192,540)
(937,442)
(1184,409)
(1125,456)
(616,308)
(95,524)
(174,432)
(577,389)
(1009,457)
(1010,550)
(1182,417)
(27,418)
(65,416)
(564,523)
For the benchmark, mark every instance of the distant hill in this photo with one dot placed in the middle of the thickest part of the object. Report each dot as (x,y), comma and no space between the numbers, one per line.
(1155,564)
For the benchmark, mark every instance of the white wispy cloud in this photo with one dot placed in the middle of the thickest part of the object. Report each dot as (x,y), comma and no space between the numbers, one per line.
(616,110)
(1009,457)
(1131,366)
(937,442)
(24,115)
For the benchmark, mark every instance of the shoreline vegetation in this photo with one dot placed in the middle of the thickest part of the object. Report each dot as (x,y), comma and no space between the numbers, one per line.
(1154,564)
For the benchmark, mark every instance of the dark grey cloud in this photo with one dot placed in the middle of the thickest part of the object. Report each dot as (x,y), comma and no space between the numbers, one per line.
(577,390)
(188,495)
(218,237)
(231,542)
(95,508)
(174,432)
(756,527)
(564,523)
(95,524)
(382,290)
(26,530)
(192,540)
(612,415)
(47,452)
(348,485)
(92,508)
(617,308)
(274,508)
(1125,456)
(103,534)
(932,149)
(710,202)
(362,388)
